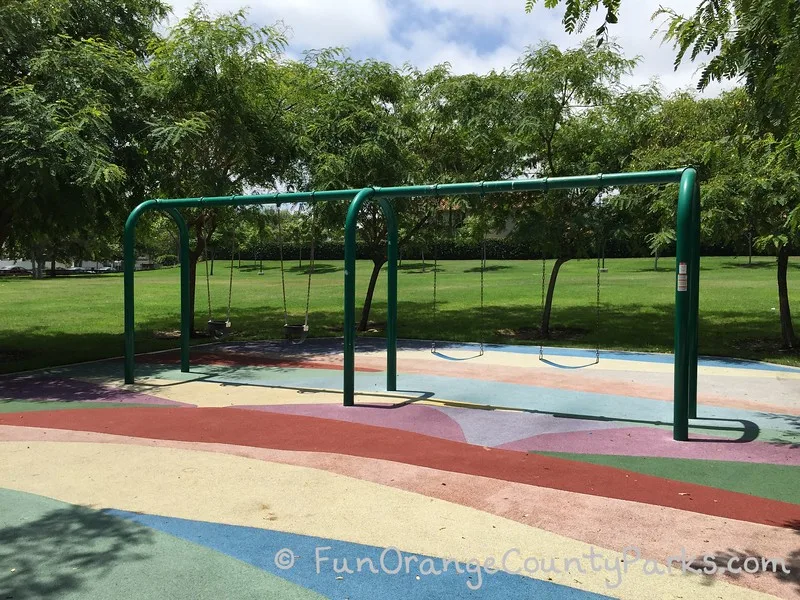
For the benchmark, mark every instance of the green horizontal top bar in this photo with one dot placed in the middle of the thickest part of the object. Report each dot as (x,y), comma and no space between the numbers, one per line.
(444,189)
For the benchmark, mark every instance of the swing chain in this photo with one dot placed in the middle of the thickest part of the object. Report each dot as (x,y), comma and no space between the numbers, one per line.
(208,279)
(283,279)
(541,339)
(435,269)
(311,259)
(597,314)
(230,282)
(483,269)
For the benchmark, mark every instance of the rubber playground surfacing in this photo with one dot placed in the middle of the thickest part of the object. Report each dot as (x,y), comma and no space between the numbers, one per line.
(246,478)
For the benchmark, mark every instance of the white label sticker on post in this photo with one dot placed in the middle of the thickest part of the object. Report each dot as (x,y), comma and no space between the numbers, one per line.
(683,278)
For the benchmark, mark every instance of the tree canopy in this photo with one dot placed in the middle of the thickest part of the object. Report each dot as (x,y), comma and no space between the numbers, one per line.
(102,106)
(757,43)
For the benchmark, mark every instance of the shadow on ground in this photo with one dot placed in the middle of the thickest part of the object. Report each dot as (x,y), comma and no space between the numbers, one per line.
(760,265)
(785,568)
(319,269)
(789,439)
(65,551)
(419,267)
(632,327)
(488,269)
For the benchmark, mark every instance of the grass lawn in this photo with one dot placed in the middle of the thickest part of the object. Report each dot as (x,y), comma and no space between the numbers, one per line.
(64,320)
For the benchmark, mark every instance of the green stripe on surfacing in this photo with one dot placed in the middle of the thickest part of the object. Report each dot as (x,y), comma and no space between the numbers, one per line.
(776,482)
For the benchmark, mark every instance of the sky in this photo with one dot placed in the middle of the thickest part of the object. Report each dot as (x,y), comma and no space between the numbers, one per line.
(473,36)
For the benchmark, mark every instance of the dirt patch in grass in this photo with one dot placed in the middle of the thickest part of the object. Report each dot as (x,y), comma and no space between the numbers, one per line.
(170,334)
(372,327)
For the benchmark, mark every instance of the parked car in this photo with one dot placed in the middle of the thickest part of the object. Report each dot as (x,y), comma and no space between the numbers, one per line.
(14,270)
(103,269)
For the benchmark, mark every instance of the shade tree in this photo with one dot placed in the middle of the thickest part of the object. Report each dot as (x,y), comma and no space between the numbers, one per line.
(220,121)
(554,89)
(69,76)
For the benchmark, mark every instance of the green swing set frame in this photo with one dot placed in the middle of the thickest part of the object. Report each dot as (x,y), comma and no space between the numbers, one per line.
(687,265)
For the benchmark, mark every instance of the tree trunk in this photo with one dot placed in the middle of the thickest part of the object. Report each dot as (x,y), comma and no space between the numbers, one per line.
(656,267)
(192,290)
(194,258)
(548,303)
(749,248)
(603,250)
(52,266)
(787,331)
(300,262)
(5,225)
(423,260)
(373,279)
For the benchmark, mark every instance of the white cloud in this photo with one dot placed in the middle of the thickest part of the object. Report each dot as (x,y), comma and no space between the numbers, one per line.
(313,23)
(427,49)
(429,32)
(487,12)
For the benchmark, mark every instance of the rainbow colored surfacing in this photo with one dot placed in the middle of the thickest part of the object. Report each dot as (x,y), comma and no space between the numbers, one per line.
(495,477)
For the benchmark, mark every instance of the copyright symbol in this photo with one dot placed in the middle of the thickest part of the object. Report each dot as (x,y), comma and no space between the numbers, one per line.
(284,559)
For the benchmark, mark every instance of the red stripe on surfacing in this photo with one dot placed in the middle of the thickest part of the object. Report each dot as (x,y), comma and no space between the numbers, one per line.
(300,433)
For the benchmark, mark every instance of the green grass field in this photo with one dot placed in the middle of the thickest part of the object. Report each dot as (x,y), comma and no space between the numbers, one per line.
(64,320)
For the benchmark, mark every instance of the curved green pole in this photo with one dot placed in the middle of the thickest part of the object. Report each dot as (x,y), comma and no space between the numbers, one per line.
(350,294)
(391,293)
(683,264)
(186,301)
(129,265)
(694,299)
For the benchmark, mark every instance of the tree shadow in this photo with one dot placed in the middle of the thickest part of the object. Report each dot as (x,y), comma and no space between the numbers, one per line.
(670,269)
(785,569)
(319,269)
(418,267)
(254,268)
(45,388)
(639,327)
(791,439)
(37,347)
(413,266)
(66,550)
(759,265)
(487,269)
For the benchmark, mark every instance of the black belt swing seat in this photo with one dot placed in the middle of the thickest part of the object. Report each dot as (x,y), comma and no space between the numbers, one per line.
(219,329)
(482,315)
(296,333)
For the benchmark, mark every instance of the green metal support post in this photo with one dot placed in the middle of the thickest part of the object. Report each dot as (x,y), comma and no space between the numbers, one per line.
(683,262)
(694,309)
(350,294)
(391,290)
(129,267)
